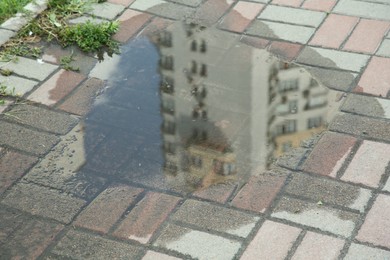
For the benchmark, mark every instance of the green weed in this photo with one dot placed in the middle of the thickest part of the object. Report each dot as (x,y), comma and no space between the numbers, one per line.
(66,61)
(10,7)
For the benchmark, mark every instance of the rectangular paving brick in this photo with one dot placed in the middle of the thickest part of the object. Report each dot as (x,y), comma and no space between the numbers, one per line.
(5,35)
(107,208)
(328,191)
(273,240)
(29,68)
(384,49)
(328,219)
(41,118)
(12,167)
(211,217)
(292,15)
(22,138)
(363,9)
(241,16)
(275,30)
(334,79)
(146,217)
(293,3)
(42,201)
(329,154)
(367,36)
(56,87)
(17,85)
(162,8)
(376,107)
(357,251)
(211,11)
(192,3)
(131,22)
(333,59)
(375,79)
(10,221)
(121,2)
(317,246)
(151,255)
(106,10)
(334,31)
(78,245)
(258,194)
(218,193)
(319,5)
(285,50)
(375,229)
(360,125)
(369,164)
(188,241)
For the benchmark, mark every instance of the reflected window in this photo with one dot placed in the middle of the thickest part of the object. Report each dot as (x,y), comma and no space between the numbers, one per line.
(167,85)
(314,122)
(194,67)
(289,126)
(196,161)
(203,70)
(171,167)
(166,62)
(168,105)
(165,39)
(169,147)
(288,85)
(203,46)
(194,45)
(169,127)
(316,102)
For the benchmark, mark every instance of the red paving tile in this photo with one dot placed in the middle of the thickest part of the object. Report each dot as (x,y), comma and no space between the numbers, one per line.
(367,36)
(218,193)
(334,31)
(131,22)
(375,228)
(369,164)
(107,208)
(285,50)
(329,154)
(146,217)
(255,41)
(259,192)
(376,78)
(241,16)
(319,5)
(294,3)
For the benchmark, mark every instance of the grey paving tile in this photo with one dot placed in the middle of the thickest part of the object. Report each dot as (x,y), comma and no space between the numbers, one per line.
(17,85)
(334,79)
(363,9)
(373,106)
(384,49)
(193,3)
(163,8)
(362,252)
(106,10)
(15,23)
(5,35)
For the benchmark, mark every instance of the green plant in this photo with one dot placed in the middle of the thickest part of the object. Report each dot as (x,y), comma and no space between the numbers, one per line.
(10,7)
(5,72)
(5,92)
(66,61)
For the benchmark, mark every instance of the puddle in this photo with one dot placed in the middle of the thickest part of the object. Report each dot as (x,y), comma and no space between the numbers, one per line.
(192,106)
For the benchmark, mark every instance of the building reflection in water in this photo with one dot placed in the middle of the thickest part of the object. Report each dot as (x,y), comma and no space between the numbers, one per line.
(230,109)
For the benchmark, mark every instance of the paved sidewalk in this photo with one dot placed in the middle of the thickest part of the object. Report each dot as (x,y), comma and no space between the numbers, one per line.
(330,200)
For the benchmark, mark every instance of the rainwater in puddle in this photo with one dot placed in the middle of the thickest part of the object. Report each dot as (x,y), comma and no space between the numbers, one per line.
(192,107)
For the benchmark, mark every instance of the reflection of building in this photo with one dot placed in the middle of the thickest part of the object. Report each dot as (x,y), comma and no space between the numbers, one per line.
(228,109)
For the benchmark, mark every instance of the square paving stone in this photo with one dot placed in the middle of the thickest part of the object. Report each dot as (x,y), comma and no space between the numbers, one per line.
(106,10)
(375,107)
(17,85)
(362,252)
(162,8)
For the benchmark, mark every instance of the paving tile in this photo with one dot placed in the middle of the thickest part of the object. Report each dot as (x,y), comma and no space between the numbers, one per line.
(328,191)
(74,244)
(41,118)
(319,5)
(211,217)
(13,166)
(211,11)
(57,87)
(256,42)
(334,31)
(131,22)
(218,193)
(376,107)
(106,10)
(272,240)
(285,50)
(162,8)
(387,186)
(363,9)
(107,208)
(334,79)
(25,139)
(364,38)
(157,24)
(151,255)
(360,125)
(5,35)
(293,3)
(17,85)
(146,217)
(333,59)
(81,101)
(375,79)
(317,246)
(292,15)
(193,3)
(329,154)
(15,23)
(327,219)
(30,239)
(86,18)
(5,105)
(241,16)
(361,252)
(365,168)
(258,194)
(30,68)
(293,158)
(377,223)
(384,49)
(188,241)
(10,221)
(121,2)
(42,201)
(274,30)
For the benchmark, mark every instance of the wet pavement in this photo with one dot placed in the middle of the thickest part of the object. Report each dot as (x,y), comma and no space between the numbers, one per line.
(256,131)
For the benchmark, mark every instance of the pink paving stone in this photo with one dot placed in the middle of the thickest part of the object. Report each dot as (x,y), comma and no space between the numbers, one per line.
(211,11)
(329,154)
(107,208)
(285,50)
(369,164)
(376,78)
(273,241)
(218,193)
(319,5)
(131,22)
(57,87)
(158,24)
(376,227)
(334,31)
(319,247)
(259,192)
(294,3)
(144,219)
(256,42)
(367,36)
(241,16)
(151,255)
(121,2)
